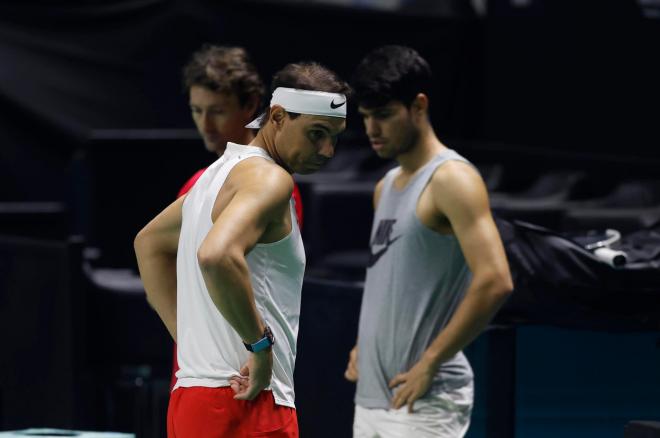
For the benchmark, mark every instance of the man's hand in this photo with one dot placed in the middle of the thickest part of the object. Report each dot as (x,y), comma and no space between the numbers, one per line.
(414,385)
(255,375)
(351,373)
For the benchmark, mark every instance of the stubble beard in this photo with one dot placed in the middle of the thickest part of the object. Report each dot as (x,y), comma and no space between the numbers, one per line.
(409,140)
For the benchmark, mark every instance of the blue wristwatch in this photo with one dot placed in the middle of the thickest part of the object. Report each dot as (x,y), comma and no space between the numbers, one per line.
(266,341)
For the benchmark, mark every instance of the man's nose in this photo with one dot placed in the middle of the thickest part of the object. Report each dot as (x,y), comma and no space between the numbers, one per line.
(372,127)
(207,123)
(327,149)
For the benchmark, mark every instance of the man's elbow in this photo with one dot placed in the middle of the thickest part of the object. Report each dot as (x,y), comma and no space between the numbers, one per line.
(496,285)
(215,259)
(141,241)
(502,286)
(150,299)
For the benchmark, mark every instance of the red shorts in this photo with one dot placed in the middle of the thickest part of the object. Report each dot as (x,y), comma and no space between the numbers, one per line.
(201,412)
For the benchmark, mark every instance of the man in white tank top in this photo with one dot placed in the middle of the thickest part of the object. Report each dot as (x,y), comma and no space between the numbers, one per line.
(223,266)
(437,273)
(224,92)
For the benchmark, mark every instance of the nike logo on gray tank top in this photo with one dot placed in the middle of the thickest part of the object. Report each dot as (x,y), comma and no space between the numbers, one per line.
(382,237)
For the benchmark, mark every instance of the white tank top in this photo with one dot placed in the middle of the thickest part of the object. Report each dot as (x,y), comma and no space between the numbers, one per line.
(209,350)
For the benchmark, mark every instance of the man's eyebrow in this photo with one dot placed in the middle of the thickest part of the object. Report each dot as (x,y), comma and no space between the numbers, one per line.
(212,106)
(321,126)
(378,109)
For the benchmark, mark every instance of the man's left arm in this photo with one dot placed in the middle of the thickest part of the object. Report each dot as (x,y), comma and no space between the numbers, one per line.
(156,249)
(460,195)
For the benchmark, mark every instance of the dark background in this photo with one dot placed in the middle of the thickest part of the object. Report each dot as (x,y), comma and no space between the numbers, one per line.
(563,81)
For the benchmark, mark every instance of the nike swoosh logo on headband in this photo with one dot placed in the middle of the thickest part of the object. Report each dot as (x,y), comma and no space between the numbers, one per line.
(334,105)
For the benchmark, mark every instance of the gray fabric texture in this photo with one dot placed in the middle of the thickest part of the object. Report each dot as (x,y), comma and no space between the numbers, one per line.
(415,281)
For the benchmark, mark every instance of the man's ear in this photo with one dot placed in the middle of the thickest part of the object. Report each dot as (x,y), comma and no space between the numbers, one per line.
(277,115)
(420,104)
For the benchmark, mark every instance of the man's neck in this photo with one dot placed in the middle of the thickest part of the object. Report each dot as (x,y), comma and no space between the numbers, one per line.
(265,139)
(425,148)
(247,137)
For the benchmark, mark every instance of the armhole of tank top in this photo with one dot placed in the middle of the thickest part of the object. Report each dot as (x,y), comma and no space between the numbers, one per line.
(292,213)
(213,180)
(291,233)
(453,157)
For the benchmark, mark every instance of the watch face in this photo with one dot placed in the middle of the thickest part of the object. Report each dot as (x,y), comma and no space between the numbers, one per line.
(266,341)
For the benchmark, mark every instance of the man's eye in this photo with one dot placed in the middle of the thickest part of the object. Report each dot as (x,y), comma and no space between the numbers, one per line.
(316,135)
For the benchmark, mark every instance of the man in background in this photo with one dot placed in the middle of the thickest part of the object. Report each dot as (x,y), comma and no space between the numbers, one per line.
(225,92)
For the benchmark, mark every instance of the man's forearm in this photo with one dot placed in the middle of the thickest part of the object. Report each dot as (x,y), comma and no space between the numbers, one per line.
(158,273)
(481,302)
(227,279)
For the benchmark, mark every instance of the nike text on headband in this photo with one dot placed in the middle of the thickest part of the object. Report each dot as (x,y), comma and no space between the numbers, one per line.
(316,103)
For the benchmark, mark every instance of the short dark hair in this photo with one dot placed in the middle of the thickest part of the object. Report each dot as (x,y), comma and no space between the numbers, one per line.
(224,69)
(307,76)
(391,73)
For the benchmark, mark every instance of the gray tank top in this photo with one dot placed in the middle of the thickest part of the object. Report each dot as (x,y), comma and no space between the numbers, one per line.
(416,278)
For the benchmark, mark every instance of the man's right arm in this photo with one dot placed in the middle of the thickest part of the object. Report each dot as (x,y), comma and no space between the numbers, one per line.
(235,231)
(156,248)
(255,211)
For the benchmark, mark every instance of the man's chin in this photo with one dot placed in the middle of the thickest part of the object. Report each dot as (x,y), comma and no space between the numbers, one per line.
(304,171)
(307,170)
(384,154)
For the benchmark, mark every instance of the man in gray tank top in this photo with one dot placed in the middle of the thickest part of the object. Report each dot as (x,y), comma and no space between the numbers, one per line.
(437,272)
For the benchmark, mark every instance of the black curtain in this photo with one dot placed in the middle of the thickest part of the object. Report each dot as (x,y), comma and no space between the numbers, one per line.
(66,70)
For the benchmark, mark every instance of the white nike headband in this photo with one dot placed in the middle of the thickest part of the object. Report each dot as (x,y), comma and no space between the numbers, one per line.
(316,103)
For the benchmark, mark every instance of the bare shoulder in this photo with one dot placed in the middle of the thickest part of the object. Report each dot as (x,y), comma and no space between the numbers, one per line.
(261,176)
(457,182)
(454,171)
